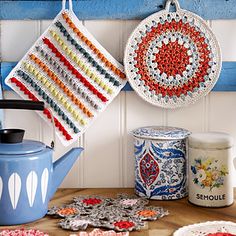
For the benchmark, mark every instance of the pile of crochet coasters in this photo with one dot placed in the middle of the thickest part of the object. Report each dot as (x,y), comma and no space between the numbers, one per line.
(124,213)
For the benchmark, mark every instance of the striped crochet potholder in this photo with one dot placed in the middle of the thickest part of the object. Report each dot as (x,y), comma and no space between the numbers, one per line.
(71,72)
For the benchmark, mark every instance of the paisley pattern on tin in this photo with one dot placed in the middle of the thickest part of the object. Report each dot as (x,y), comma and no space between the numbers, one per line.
(170,182)
(149,169)
(172,59)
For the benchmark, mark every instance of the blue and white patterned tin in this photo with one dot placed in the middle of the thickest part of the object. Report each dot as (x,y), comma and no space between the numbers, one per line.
(160,162)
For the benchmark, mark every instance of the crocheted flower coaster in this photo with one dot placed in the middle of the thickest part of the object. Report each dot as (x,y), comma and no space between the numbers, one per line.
(124,224)
(150,213)
(71,72)
(91,201)
(99,232)
(172,59)
(124,213)
(76,223)
(22,232)
(67,211)
(131,202)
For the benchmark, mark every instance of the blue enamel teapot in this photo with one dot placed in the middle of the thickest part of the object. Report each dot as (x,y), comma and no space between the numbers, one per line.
(28,177)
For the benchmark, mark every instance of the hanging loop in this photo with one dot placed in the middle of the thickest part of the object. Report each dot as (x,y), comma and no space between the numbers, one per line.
(64,5)
(177,6)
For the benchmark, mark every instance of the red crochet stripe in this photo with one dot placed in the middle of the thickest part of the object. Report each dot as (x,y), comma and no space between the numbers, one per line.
(73,70)
(46,111)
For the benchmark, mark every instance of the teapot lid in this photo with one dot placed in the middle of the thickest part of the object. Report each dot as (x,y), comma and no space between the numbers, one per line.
(23,148)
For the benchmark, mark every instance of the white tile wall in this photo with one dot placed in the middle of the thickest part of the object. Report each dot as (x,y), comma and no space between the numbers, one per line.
(17,37)
(108,157)
(226,34)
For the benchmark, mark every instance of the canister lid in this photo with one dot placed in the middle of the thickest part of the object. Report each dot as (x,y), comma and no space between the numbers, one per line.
(161,132)
(211,140)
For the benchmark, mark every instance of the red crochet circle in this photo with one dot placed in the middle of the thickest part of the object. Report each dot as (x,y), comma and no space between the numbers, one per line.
(203,52)
(172,59)
(124,224)
(92,201)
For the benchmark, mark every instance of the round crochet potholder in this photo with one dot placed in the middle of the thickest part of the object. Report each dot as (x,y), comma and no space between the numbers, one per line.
(172,59)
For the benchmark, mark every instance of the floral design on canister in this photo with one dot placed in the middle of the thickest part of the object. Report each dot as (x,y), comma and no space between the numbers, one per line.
(211,169)
(149,169)
(208,173)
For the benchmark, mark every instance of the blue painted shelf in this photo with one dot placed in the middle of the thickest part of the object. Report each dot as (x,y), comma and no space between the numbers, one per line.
(226,82)
(112,9)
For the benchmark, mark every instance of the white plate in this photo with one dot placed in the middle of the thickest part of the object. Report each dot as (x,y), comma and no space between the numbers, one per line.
(210,227)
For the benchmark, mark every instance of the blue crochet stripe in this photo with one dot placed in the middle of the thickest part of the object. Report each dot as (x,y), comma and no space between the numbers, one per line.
(87,55)
(47,98)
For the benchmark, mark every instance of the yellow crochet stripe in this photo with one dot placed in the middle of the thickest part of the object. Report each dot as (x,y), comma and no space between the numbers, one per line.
(59,96)
(86,70)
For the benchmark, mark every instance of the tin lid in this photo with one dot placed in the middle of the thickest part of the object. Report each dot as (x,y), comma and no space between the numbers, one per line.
(211,140)
(161,132)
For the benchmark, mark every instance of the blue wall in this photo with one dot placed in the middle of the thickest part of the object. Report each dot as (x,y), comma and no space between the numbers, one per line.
(226,82)
(121,9)
(113,9)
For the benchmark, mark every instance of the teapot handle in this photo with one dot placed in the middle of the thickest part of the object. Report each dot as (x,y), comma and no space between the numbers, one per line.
(28,105)
(21,104)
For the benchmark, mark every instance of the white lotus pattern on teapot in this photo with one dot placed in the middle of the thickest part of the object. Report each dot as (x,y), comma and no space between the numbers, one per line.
(31,186)
(1,187)
(44,183)
(14,188)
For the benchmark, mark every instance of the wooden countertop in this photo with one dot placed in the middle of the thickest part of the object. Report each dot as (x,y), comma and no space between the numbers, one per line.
(181,213)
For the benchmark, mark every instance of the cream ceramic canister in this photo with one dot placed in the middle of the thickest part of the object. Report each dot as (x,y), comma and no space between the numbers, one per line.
(211,169)
(160,162)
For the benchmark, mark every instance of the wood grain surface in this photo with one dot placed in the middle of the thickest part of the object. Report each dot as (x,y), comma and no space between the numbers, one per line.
(181,213)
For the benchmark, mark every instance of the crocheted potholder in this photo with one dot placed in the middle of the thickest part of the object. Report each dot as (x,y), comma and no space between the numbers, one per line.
(71,72)
(172,59)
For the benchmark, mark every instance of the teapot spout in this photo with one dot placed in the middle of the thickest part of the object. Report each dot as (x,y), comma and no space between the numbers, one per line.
(62,166)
